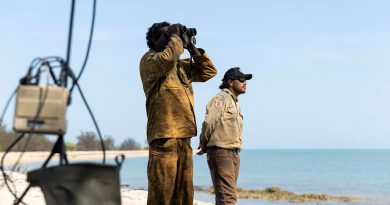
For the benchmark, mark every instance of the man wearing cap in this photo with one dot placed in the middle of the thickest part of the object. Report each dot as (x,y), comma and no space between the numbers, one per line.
(221,136)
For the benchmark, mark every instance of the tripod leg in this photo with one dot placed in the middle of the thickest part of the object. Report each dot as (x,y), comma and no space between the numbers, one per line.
(59,147)
(48,159)
(62,150)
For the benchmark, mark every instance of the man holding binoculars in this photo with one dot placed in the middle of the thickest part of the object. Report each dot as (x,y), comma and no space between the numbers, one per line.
(167,83)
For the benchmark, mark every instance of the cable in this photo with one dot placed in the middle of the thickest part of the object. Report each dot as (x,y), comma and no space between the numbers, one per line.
(90,40)
(5,176)
(17,163)
(22,152)
(70,32)
(76,79)
(89,44)
(6,106)
(42,99)
(94,122)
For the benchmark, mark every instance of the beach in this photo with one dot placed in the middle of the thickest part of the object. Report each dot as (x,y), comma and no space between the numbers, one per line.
(31,157)
(35,196)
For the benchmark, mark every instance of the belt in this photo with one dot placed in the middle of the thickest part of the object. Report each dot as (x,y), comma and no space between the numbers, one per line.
(234,150)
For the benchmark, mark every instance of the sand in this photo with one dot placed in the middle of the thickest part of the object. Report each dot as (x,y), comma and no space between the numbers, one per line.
(29,157)
(35,196)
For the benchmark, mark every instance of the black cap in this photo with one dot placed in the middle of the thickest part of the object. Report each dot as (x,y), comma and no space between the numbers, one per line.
(236,74)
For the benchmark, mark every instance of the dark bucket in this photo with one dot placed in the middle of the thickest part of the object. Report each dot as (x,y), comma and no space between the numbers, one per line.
(78,184)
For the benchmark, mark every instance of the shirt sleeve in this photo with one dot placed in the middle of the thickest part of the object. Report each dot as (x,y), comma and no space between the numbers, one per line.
(201,69)
(162,62)
(214,111)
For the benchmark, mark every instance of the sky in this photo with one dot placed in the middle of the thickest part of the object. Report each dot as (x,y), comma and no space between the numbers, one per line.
(320,68)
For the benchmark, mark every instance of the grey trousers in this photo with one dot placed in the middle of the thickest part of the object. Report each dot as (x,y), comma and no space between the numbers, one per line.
(224,165)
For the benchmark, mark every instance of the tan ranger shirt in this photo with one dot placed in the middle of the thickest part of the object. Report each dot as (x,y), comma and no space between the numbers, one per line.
(167,82)
(222,126)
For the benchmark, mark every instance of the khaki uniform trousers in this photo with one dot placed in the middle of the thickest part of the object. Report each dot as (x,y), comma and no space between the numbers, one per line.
(224,165)
(170,172)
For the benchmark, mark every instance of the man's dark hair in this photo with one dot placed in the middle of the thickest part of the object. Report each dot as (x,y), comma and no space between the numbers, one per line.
(224,84)
(154,32)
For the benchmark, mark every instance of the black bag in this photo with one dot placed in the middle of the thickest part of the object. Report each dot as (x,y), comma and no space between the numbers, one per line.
(78,184)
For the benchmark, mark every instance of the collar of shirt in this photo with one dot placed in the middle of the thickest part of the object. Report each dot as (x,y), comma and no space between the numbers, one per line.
(231,94)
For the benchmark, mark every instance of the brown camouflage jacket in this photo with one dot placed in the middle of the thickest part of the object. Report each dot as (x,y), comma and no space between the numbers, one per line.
(167,85)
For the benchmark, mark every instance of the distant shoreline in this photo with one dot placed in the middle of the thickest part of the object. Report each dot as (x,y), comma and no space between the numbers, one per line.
(31,157)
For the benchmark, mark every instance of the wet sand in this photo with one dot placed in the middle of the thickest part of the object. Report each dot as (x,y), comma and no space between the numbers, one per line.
(276,194)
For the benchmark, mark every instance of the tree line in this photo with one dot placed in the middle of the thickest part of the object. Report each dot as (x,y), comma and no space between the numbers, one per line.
(86,141)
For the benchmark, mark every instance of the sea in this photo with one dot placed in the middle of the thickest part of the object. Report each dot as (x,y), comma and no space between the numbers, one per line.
(361,173)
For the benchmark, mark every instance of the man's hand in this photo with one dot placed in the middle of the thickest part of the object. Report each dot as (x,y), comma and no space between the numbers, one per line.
(174,29)
(201,151)
(193,50)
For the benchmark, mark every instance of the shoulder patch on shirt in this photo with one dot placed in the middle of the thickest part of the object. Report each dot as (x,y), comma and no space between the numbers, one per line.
(218,103)
(231,109)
